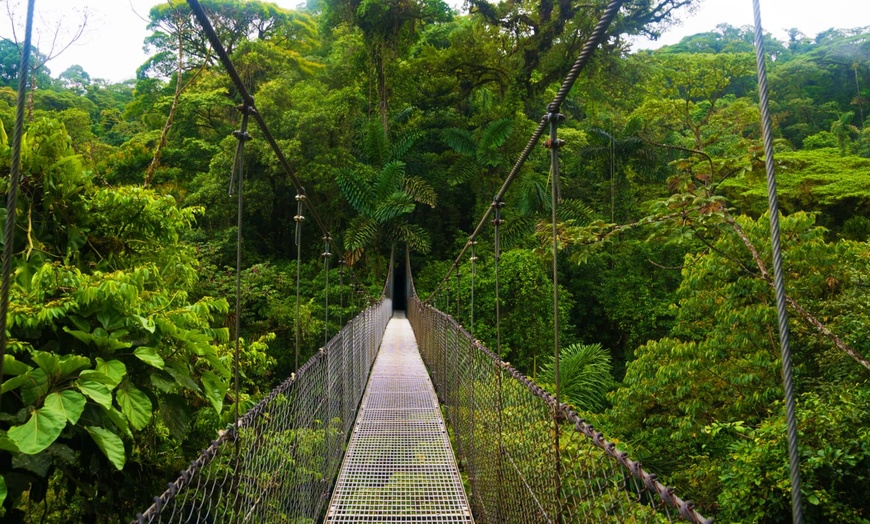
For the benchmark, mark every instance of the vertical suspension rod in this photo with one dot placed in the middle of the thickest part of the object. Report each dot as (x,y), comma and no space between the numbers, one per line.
(779,284)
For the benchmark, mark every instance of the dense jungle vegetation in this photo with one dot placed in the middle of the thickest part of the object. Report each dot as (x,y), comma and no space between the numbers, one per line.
(402,118)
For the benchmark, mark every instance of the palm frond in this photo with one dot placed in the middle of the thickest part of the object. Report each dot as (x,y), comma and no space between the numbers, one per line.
(393,206)
(360,233)
(411,234)
(356,190)
(420,191)
(516,231)
(532,194)
(389,180)
(374,143)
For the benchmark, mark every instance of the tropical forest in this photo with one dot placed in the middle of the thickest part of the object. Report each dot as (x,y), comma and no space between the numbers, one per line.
(402,118)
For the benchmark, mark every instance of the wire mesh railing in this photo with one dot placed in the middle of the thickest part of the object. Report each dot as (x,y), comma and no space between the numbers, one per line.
(528,459)
(279,462)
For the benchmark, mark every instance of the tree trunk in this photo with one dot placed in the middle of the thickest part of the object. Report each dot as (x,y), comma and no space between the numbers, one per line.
(164,134)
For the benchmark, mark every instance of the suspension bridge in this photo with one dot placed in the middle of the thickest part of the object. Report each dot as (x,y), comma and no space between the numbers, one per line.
(403,416)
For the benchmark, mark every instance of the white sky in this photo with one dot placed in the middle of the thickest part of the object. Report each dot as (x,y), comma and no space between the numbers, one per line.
(111,47)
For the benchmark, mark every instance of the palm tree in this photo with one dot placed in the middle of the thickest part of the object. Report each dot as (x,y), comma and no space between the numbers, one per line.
(384,196)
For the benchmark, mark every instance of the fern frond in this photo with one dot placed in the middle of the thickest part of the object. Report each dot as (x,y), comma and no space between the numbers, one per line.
(420,191)
(459,140)
(403,144)
(462,170)
(495,134)
(575,210)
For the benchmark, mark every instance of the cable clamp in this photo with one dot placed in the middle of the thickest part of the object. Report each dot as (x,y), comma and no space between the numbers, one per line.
(298,218)
(244,136)
(554,116)
(554,144)
(300,197)
(326,254)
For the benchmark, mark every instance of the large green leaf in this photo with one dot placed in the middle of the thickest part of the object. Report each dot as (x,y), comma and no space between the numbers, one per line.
(35,386)
(2,481)
(69,403)
(110,444)
(135,405)
(69,364)
(6,443)
(215,389)
(43,428)
(114,369)
(119,420)
(93,385)
(13,367)
(149,356)
(48,362)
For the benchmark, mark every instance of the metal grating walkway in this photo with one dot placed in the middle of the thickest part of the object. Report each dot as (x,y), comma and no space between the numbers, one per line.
(399,465)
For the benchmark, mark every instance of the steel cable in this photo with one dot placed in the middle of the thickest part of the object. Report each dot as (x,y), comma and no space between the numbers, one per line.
(14,183)
(779,284)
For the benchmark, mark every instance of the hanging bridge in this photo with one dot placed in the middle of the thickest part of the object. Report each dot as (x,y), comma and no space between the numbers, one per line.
(403,416)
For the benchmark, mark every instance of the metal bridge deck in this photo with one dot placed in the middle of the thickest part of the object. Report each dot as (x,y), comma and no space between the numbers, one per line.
(399,465)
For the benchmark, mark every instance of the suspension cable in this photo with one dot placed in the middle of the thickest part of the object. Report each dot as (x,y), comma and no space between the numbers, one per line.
(598,35)
(779,285)
(299,218)
(14,183)
(554,143)
(326,255)
(238,175)
(497,222)
(473,274)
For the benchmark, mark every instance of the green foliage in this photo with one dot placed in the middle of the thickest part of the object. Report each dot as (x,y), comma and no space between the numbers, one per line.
(585,375)
(720,367)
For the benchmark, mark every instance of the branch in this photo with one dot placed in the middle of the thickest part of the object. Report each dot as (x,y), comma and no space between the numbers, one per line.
(809,318)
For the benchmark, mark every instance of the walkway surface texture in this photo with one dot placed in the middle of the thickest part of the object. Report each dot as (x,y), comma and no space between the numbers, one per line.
(399,465)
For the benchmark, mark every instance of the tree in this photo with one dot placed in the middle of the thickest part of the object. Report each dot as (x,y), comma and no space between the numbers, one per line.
(383,195)
(58,35)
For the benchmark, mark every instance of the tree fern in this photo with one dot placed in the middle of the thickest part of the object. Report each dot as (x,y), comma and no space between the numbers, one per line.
(585,375)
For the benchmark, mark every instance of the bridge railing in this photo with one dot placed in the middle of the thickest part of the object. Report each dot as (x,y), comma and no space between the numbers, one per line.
(277,464)
(528,459)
